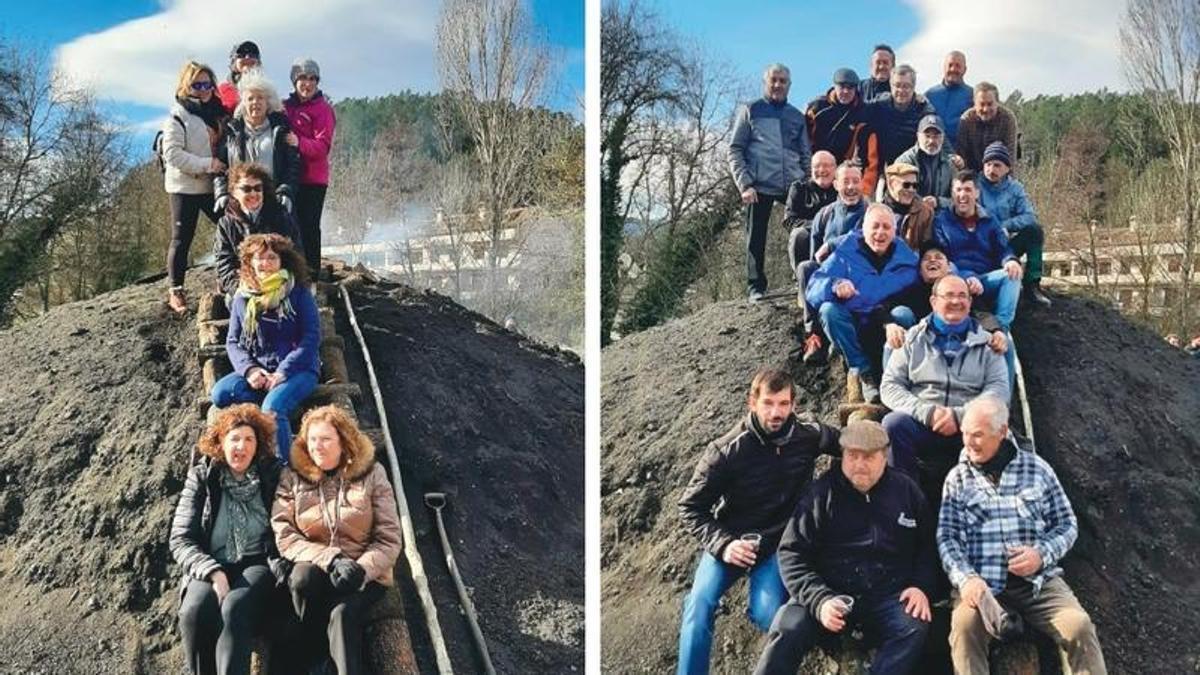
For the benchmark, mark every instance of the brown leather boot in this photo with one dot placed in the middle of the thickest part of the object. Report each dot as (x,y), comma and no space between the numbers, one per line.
(177,301)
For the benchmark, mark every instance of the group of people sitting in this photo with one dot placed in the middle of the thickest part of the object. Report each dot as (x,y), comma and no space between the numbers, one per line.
(864,250)
(287,538)
(247,160)
(857,550)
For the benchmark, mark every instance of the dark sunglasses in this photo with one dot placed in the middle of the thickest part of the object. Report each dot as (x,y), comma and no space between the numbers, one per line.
(203,85)
(308,78)
(257,187)
(909,184)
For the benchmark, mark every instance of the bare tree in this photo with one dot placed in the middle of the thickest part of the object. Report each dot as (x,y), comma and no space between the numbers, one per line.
(639,70)
(493,70)
(1160,50)
(58,166)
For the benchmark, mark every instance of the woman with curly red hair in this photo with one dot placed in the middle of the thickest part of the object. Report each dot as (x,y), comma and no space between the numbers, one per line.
(335,518)
(221,536)
(274,334)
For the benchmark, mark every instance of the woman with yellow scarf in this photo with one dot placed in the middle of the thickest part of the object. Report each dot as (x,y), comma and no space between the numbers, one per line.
(274,334)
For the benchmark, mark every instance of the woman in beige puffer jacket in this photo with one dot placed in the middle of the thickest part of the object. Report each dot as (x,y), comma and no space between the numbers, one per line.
(335,519)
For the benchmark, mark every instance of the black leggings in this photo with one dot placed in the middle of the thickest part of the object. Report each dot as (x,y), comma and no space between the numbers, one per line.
(336,614)
(217,637)
(310,201)
(185,211)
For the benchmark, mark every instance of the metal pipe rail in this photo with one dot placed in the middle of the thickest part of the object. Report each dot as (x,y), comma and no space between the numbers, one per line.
(410,550)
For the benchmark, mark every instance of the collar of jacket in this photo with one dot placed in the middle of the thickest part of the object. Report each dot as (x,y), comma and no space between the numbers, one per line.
(976,335)
(766,99)
(843,208)
(1009,440)
(749,425)
(294,99)
(981,215)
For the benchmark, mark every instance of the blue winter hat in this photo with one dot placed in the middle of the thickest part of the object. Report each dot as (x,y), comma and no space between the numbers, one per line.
(997,151)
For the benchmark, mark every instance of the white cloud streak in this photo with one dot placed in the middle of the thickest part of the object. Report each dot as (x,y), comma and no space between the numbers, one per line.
(364,47)
(1038,47)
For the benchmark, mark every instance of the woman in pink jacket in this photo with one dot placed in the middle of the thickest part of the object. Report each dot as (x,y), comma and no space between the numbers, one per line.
(313,122)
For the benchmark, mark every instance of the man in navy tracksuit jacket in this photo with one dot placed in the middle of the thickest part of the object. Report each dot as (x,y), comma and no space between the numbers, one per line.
(865,531)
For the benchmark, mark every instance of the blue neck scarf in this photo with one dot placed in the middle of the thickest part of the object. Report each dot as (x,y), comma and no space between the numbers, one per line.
(949,337)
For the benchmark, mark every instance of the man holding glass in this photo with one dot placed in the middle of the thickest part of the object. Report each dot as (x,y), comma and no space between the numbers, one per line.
(1005,522)
(740,497)
(858,550)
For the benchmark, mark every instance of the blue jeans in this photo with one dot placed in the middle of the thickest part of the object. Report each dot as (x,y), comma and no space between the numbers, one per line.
(847,329)
(903,317)
(922,453)
(713,578)
(795,631)
(282,401)
(1003,293)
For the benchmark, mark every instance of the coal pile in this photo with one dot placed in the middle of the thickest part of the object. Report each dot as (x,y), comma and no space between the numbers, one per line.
(99,413)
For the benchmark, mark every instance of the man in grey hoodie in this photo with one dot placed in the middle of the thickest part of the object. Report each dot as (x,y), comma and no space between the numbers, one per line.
(768,151)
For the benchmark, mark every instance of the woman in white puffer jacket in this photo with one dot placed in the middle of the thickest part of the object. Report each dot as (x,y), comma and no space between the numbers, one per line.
(189,136)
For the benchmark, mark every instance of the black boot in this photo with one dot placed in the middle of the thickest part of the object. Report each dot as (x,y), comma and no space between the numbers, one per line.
(1033,291)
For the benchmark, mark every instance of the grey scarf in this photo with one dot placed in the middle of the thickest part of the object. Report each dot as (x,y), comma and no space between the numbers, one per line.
(246,513)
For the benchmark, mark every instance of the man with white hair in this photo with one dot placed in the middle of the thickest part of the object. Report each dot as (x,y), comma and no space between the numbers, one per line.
(805,198)
(1004,525)
(854,294)
(259,133)
(768,151)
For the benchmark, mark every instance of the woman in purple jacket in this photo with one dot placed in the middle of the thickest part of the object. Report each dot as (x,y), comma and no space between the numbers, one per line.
(274,334)
(313,122)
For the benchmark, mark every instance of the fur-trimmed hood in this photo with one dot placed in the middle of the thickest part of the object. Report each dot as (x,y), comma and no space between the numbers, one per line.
(357,460)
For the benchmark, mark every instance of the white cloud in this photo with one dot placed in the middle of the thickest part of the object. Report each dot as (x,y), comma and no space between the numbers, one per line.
(1064,47)
(364,47)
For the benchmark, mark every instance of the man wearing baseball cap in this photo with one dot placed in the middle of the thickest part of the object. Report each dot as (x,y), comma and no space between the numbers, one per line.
(839,122)
(862,532)
(935,162)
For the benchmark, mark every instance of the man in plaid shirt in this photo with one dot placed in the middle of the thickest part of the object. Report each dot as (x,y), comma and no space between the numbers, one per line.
(1005,522)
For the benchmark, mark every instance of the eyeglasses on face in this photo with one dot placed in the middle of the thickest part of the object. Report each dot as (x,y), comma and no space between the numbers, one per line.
(251,187)
(202,85)
(909,185)
(953,296)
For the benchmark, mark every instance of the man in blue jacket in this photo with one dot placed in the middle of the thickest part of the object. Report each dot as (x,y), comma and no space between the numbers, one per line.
(768,151)
(952,96)
(861,531)
(1005,199)
(854,290)
(978,247)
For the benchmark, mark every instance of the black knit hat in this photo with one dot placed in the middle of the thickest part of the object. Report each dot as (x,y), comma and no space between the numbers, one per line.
(246,48)
(997,151)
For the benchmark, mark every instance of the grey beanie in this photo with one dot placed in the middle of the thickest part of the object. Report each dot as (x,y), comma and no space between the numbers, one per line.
(305,67)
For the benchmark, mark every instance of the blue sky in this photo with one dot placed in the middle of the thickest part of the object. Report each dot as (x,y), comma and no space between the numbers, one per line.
(129,51)
(1068,46)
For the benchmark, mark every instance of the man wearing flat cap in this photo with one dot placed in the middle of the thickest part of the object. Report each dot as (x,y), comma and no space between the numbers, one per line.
(861,532)
(914,216)
(768,151)
(839,122)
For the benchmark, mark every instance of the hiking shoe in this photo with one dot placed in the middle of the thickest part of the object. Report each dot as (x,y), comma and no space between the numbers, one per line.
(1034,292)
(870,387)
(854,391)
(177,301)
(814,350)
(755,297)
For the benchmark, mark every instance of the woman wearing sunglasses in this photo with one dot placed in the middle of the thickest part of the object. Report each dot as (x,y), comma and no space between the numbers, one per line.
(189,137)
(249,212)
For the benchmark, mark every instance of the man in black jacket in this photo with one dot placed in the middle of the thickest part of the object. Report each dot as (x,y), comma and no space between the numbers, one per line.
(744,487)
(804,199)
(862,533)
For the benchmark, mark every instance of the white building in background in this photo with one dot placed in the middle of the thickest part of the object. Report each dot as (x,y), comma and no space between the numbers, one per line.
(1125,262)
(435,261)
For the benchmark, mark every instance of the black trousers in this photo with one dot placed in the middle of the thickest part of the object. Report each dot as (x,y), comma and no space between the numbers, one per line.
(185,211)
(217,637)
(337,614)
(758,215)
(310,202)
